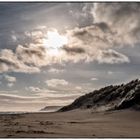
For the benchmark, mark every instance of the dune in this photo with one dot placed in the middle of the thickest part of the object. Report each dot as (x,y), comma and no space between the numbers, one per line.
(109,98)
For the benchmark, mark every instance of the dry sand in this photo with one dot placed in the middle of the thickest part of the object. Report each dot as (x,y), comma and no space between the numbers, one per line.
(78,123)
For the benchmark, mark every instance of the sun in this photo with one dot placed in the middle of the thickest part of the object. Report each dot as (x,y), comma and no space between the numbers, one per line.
(54,40)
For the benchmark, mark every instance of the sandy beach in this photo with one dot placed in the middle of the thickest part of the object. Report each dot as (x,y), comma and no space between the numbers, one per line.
(71,124)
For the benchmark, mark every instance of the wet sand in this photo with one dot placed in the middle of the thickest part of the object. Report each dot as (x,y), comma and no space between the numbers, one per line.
(72,124)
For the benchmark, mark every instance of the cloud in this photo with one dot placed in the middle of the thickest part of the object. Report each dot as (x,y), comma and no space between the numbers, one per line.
(10,78)
(92,36)
(81,13)
(74,50)
(53,70)
(110,72)
(10,84)
(114,25)
(122,18)
(33,89)
(95,43)
(9,61)
(32,54)
(54,94)
(12,97)
(83,45)
(56,82)
(112,57)
(23,103)
(39,92)
(78,88)
(14,38)
(94,79)
(11,102)
(49,95)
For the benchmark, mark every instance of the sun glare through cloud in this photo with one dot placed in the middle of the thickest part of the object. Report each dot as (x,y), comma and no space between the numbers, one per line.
(54,41)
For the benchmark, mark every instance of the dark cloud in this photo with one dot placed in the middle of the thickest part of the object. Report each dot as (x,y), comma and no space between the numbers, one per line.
(4,61)
(30,51)
(103,26)
(98,32)
(73,50)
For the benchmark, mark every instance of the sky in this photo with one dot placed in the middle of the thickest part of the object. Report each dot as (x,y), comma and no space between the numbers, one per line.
(51,53)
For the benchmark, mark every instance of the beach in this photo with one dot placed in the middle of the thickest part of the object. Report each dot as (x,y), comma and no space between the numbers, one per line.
(72,124)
